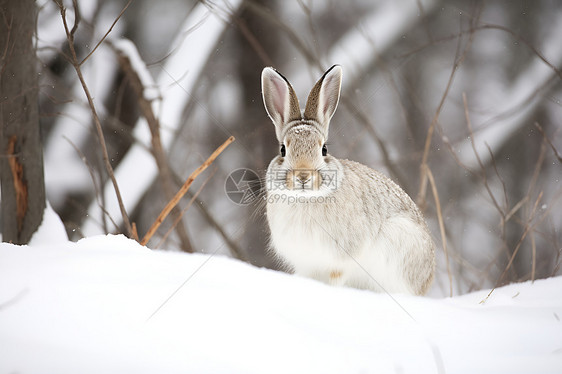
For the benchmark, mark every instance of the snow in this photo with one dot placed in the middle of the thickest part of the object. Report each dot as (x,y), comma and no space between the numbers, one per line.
(107,304)
(51,230)
(127,48)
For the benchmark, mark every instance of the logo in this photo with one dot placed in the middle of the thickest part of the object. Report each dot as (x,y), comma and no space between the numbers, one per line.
(302,180)
(242,186)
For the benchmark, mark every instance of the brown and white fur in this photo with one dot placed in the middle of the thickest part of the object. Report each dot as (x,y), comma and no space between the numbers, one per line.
(335,220)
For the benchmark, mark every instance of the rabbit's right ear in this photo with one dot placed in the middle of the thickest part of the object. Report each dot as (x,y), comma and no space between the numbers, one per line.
(324,97)
(279,98)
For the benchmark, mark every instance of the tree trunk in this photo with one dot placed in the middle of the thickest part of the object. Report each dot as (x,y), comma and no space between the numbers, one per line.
(21,172)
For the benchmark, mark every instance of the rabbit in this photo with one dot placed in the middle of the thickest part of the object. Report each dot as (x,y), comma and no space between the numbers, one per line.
(335,220)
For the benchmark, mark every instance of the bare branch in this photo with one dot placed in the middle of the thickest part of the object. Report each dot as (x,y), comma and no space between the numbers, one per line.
(77,18)
(547,139)
(482,168)
(183,190)
(441,227)
(528,228)
(107,33)
(93,177)
(76,65)
(191,200)
(459,58)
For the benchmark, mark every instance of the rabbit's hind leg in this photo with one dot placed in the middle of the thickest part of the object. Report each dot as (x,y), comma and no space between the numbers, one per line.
(335,277)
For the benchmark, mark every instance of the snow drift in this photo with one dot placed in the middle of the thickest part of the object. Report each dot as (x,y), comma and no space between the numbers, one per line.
(103,305)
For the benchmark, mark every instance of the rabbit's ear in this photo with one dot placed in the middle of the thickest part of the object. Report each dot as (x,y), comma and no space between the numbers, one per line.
(324,96)
(280,100)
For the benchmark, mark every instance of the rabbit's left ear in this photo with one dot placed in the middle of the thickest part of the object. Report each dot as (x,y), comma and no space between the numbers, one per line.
(324,96)
(280,100)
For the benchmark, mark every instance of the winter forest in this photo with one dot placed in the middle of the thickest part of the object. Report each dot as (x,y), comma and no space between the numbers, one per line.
(459,102)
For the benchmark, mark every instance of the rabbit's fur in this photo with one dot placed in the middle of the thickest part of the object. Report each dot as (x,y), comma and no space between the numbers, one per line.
(334,220)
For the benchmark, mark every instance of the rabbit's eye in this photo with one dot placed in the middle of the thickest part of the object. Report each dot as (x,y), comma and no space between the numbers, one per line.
(324,150)
(283,150)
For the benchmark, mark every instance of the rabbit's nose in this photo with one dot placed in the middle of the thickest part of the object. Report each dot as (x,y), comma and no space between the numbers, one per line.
(304,176)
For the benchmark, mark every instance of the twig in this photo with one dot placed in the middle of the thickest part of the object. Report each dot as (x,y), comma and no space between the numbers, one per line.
(516,208)
(459,58)
(534,256)
(483,169)
(522,40)
(274,21)
(484,177)
(441,227)
(183,190)
(189,204)
(93,177)
(528,228)
(252,40)
(107,33)
(495,166)
(547,139)
(233,247)
(77,17)
(485,27)
(370,128)
(76,65)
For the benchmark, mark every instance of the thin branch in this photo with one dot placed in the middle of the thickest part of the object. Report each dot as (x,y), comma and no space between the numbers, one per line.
(528,228)
(441,227)
(547,139)
(77,17)
(516,208)
(275,21)
(484,27)
(233,247)
(459,58)
(184,210)
(96,187)
(522,40)
(253,41)
(107,33)
(76,65)
(495,166)
(168,208)
(370,128)
(534,256)
(482,168)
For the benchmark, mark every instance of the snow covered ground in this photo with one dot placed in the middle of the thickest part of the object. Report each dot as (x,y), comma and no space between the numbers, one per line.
(93,307)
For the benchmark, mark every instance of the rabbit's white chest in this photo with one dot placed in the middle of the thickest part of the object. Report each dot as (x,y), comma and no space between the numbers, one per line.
(307,242)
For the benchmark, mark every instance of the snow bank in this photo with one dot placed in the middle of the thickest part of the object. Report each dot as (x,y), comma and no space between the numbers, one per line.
(85,307)
(51,230)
